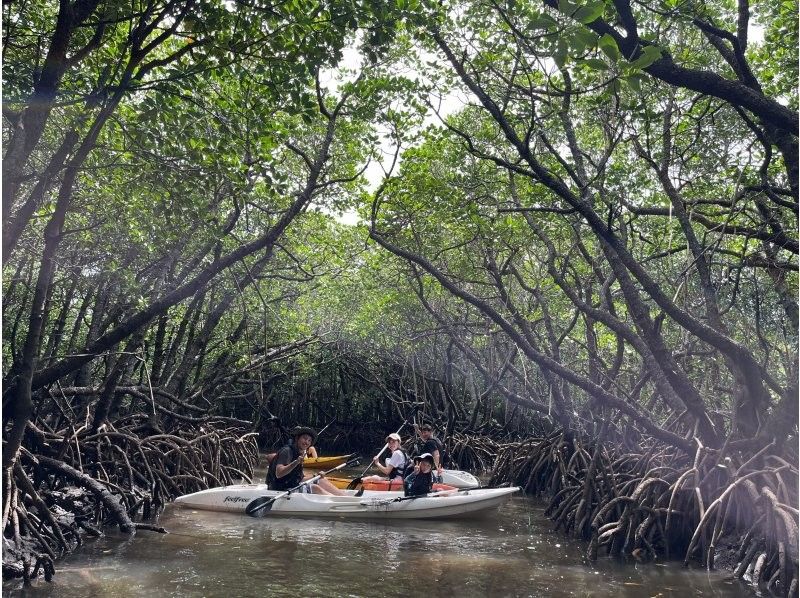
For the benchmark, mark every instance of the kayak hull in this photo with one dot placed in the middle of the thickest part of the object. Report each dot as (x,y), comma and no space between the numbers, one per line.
(371,505)
(325,462)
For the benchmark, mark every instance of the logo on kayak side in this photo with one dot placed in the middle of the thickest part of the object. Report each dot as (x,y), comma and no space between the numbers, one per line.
(235,499)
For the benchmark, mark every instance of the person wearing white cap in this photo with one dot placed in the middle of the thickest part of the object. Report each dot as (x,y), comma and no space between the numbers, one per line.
(394,466)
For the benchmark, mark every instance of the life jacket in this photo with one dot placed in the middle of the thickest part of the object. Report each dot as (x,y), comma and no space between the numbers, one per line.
(419,483)
(291,479)
(401,471)
(408,469)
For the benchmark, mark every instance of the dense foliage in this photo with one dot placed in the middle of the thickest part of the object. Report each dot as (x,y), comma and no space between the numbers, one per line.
(571,215)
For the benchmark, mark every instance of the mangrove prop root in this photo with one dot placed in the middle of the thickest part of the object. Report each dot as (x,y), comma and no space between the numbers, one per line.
(75,482)
(655,500)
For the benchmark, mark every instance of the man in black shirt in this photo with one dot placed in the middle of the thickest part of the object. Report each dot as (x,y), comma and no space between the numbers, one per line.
(286,469)
(432,445)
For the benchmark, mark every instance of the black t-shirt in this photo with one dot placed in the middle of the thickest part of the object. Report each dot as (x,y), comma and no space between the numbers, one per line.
(434,444)
(420,483)
(286,455)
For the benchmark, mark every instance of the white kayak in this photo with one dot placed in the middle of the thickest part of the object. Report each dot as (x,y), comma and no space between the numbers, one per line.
(459,479)
(375,505)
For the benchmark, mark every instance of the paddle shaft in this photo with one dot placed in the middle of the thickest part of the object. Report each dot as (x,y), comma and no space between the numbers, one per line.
(270,500)
(325,428)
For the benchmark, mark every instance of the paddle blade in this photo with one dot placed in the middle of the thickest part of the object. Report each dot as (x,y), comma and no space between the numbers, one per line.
(353,462)
(354,483)
(259,506)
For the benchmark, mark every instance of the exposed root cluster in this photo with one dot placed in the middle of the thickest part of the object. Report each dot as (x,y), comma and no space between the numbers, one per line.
(75,482)
(662,502)
(472,452)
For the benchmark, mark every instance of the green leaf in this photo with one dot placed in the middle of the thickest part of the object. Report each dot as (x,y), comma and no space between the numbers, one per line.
(609,47)
(596,64)
(583,38)
(634,82)
(590,12)
(648,56)
(567,7)
(543,21)
(560,53)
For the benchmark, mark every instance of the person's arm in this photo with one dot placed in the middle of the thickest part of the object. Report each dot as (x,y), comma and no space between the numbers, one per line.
(432,447)
(384,469)
(437,462)
(282,469)
(312,453)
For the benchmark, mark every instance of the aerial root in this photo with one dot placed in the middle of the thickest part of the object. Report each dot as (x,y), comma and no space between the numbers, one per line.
(74,483)
(658,501)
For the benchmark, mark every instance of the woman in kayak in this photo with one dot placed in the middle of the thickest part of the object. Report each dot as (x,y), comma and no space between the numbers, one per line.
(394,466)
(286,469)
(420,481)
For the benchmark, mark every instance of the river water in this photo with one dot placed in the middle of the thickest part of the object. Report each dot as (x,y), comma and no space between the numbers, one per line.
(511,552)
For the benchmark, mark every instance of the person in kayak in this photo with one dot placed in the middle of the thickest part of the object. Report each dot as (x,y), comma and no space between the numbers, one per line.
(286,469)
(420,481)
(393,467)
(311,453)
(432,446)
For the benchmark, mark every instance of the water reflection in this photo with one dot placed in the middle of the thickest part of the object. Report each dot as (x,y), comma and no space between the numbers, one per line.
(513,552)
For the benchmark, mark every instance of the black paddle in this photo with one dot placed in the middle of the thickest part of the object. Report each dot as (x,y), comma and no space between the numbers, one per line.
(257,505)
(356,481)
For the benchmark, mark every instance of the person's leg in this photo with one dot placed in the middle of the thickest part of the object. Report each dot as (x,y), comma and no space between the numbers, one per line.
(329,488)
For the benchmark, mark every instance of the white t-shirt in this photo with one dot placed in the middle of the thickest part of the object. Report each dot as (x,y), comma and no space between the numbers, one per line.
(397,460)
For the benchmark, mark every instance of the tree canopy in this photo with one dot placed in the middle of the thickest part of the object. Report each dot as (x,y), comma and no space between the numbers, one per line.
(568,213)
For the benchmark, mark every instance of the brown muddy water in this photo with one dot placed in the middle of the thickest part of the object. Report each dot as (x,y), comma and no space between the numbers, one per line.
(512,552)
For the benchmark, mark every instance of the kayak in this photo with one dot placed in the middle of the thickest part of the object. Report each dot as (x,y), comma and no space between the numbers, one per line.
(325,462)
(371,505)
(381,485)
(459,479)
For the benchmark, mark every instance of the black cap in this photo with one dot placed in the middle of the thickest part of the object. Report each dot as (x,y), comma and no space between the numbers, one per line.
(425,457)
(300,430)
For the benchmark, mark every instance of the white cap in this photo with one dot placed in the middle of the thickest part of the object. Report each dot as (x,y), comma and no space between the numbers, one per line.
(393,436)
